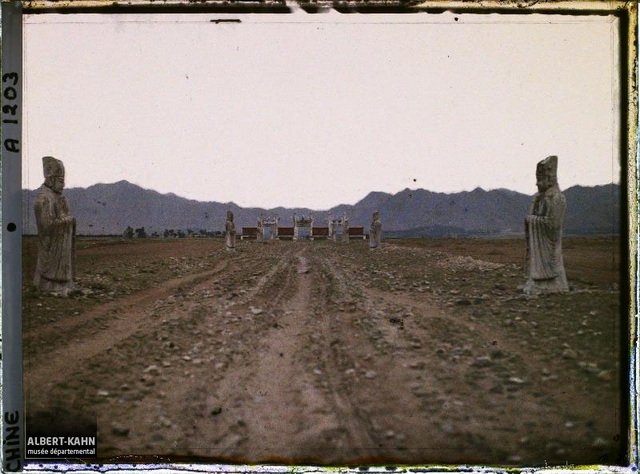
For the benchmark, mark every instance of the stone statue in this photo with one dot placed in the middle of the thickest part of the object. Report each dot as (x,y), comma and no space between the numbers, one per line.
(375,233)
(230,232)
(56,262)
(543,232)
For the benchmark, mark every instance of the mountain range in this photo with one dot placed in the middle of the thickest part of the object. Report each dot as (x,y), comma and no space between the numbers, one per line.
(108,209)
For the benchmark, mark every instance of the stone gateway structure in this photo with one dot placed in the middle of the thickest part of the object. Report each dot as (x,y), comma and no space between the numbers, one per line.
(55,265)
(304,223)
(543,233)
(259,230)
(268,228)
(345,228)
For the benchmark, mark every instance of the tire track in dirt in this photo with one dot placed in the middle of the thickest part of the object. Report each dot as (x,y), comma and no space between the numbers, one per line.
(321,353)
(54,366)
(492,376)
(205,387)
(273,410)
(380,384)
(277,387)
(130,314)
(486,340)
(141,298)
(359,438)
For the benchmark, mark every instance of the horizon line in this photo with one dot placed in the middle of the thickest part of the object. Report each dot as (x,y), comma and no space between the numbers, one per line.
(233,203)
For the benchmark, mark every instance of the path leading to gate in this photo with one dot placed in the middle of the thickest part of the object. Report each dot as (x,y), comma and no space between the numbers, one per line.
(288,352)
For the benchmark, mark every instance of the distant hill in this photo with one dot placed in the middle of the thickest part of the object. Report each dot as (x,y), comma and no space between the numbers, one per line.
(107,209)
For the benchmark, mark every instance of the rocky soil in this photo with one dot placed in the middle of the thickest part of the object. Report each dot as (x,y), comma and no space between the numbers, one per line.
(418,352)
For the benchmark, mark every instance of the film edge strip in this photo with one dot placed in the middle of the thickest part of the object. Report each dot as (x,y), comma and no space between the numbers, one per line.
(12,406)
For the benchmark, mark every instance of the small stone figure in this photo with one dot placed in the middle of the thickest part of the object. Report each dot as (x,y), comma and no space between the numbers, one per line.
(543,232)
(375,232)
(55,265)
(230,232)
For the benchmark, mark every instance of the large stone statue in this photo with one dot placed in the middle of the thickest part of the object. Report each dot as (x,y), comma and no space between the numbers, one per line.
(375,232)
(543,232)
(230,232)
(55,266)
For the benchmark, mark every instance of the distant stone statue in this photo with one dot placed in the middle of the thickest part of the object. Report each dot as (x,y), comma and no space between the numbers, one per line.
(543,232)
(375,233)
(55,265)
(230,232)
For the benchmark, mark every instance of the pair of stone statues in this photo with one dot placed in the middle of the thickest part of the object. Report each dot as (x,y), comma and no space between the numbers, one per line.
(55,266)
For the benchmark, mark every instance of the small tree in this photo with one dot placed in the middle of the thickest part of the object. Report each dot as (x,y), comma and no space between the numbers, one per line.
(140,233)
(128,233)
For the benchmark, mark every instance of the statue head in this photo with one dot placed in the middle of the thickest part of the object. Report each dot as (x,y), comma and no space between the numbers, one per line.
(53,173)
(229,215)
(547,173)
(376,216)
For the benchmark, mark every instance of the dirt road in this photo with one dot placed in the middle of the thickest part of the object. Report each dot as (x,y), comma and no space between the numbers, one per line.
(327,353)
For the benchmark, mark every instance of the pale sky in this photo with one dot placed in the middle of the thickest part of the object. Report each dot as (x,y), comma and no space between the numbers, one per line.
(316,110)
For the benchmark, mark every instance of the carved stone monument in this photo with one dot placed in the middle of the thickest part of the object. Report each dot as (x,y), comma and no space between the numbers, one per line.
(345,228)
(375,232)
(260,237)
(302,222)
(230,232)
(55,265)
(543,233)
(270,227)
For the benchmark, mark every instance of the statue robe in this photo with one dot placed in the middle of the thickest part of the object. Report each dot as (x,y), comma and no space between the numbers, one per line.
(543,231)
(55,266)
(230,232)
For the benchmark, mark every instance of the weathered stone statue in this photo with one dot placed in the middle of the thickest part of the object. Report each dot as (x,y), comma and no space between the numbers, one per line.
(55,265)
(230,232)
(543,232)
(375,233)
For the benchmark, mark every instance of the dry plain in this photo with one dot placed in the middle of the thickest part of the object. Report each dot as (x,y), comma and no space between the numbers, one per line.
(422,351)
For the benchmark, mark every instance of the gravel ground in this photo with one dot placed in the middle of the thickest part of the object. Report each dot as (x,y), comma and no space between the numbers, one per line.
(418,352)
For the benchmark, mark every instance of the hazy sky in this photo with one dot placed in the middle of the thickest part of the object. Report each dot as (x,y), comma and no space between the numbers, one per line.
(318,110)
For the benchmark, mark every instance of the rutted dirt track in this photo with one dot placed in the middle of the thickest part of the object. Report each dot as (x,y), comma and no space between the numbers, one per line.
(327,353)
